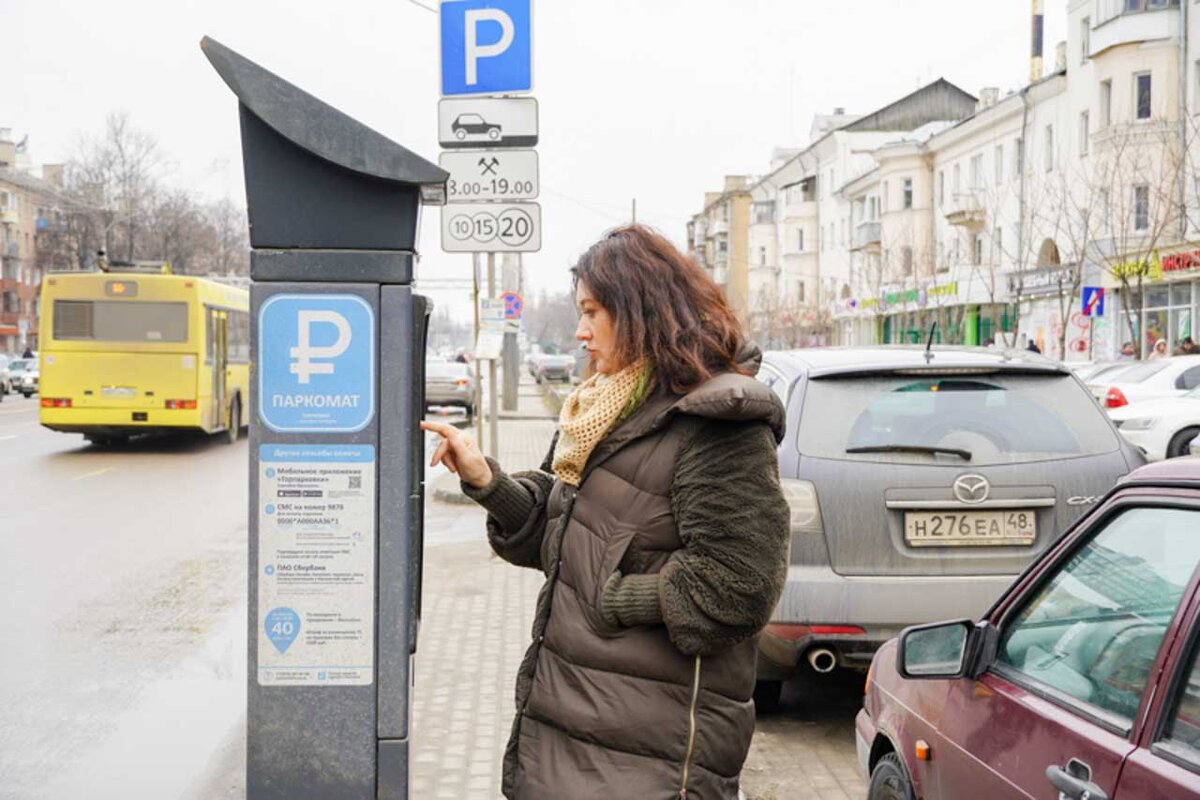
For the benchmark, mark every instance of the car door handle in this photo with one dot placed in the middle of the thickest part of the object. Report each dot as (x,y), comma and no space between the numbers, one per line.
(1074,786)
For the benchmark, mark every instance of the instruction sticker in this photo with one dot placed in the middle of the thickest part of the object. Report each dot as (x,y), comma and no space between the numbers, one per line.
(316,561)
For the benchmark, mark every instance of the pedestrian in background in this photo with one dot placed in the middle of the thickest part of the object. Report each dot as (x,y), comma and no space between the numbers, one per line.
(1186,347)
(662,531)
(1159,351)
(1127,352)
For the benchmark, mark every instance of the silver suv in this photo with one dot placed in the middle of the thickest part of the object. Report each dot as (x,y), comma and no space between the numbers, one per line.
(920,483)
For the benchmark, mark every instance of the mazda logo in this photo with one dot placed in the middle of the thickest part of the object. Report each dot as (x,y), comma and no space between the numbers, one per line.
(971,489)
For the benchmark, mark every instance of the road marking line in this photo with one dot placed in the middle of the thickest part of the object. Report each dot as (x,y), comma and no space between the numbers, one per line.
(92,474)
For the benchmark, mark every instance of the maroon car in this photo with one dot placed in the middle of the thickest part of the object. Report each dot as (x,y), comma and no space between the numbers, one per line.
(1082,681)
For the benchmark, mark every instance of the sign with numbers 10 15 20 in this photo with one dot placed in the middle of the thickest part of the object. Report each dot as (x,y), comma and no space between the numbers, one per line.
(491,227)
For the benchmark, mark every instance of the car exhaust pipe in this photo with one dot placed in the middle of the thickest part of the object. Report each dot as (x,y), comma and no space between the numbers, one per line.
(822,659)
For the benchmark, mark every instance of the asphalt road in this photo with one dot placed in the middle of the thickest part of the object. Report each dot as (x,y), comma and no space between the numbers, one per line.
(123,593)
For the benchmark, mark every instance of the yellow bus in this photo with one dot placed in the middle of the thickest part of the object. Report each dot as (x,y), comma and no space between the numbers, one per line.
(135,350)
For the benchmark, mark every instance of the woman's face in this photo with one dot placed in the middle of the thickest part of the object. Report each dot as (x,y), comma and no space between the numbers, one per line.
(1160,347)
(597,331)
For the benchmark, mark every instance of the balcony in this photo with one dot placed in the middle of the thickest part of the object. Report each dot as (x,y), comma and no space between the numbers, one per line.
(1133,21)
(10,318)
(10,250)
(9,216)
(867,235)
(717,227)
(964,209)
(803,210)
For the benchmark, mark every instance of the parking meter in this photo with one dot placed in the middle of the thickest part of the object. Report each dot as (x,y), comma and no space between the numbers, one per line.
(336,493)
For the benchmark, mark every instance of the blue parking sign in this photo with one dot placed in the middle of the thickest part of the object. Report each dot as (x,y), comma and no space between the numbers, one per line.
(487,46)
(316,363)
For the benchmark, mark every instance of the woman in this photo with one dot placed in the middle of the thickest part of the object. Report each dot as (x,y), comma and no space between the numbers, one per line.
(659,523)
(1159,351)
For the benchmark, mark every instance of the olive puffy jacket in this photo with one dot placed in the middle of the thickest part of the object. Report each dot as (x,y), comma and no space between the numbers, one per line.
(661,567)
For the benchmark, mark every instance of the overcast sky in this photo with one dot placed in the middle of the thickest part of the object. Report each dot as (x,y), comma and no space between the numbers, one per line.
(653,99)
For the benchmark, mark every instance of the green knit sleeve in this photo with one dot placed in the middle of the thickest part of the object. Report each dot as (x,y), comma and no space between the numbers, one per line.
(516,506)
(722,586)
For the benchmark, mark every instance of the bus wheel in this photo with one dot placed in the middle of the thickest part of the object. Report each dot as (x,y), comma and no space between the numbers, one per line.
(235,422)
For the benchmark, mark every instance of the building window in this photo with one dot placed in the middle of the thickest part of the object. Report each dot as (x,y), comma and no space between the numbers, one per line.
(762,256)
(908,193)
(1049,157)
(1105,210)
(800,239)
(832,236)
(1105,103)
(998,157)
(1083,133)
(831,182)
(1141,208)
(1018,157)
(976,249)
(941,187)
(977,171)
(998,240)
(800,291)
(842,229)
(883,193)
(1141,83)
(1085,39)
(957,180)
(906,257)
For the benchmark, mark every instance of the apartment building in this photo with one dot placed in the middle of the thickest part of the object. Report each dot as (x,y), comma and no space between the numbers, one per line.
(798,231)
(990,216)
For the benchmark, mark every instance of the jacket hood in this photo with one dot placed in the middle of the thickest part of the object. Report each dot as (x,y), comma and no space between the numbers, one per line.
(730,396)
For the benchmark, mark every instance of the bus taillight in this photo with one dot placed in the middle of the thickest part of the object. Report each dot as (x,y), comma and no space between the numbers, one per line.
(181,404)
(56,402)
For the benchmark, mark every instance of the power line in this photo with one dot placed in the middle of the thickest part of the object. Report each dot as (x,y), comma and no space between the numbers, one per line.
(422,5)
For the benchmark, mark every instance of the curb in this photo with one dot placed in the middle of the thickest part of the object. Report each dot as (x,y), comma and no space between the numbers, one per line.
(446,489)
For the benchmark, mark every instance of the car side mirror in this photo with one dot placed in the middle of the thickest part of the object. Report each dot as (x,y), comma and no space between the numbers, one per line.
(939,650)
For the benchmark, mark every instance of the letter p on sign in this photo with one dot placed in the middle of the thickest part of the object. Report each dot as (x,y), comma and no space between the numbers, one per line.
(486,46)
(304,352)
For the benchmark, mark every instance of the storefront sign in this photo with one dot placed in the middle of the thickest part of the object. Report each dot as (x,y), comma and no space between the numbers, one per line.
(919,296)
(1047,281)
(1178,262)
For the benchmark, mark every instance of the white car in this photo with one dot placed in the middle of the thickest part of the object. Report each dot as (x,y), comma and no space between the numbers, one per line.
(1162,428)
(1148,380)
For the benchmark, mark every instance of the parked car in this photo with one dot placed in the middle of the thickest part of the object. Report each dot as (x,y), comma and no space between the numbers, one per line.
(449,383)
(1085,370)
(1148,380)
(1195,446)
(554,366)
(1082,679)
(920,481)
(1162,428)
(5,377)
(24,375)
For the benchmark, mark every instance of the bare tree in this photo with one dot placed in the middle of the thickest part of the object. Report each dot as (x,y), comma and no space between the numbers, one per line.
(230,238)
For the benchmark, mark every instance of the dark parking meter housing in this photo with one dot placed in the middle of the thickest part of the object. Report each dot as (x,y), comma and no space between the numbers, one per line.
(334,209)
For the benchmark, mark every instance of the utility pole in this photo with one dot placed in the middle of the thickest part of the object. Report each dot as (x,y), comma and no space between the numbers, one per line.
(493,389)
(635,211)
(478,371)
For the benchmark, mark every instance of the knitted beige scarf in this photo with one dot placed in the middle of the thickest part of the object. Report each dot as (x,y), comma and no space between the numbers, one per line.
(591,411)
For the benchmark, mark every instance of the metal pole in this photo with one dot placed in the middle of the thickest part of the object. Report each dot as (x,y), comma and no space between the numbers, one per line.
(635,211)
(478,372)
(493,389)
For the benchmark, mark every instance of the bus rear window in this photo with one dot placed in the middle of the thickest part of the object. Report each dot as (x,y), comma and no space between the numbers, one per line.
(120,321)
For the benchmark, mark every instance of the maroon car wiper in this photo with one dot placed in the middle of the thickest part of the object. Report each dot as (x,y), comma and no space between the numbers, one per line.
(965,455)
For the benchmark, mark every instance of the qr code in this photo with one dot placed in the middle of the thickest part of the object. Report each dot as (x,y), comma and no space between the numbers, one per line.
(356,481)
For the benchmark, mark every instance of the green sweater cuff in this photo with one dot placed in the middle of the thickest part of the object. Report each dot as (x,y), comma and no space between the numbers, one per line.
(505,499)
(631,600)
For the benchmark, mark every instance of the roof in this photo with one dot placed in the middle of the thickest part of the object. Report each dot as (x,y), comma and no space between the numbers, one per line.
(1173,470)
(822,361)
(32,183)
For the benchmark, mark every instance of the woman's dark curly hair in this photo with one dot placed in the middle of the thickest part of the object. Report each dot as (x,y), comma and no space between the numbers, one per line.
(664,306)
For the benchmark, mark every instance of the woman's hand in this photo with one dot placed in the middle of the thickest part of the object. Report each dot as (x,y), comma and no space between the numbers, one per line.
(460,454)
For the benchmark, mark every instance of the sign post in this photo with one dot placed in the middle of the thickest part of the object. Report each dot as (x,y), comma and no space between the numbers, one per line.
(1093,306)
(486,58)
(334,551)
